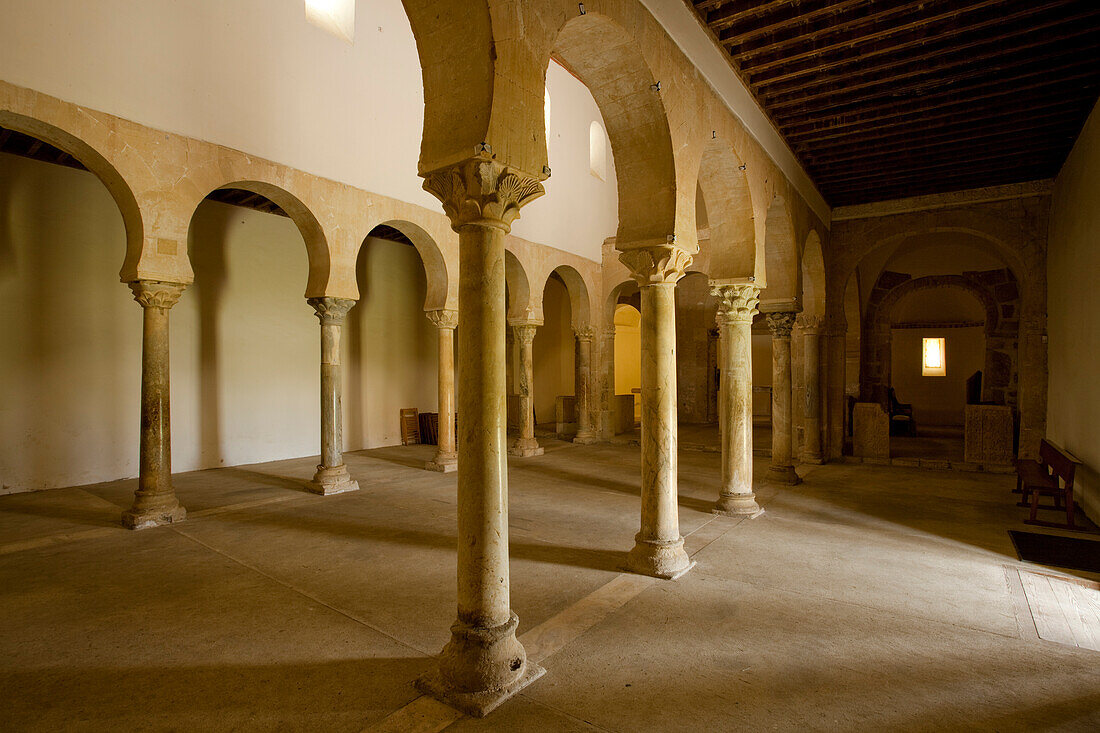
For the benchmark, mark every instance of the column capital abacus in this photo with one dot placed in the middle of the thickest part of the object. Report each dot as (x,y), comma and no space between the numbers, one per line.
(587,333)
(156,294)
(656,264)
(443,318)
(480,190)
(780,323)
(331,311)
(737,303)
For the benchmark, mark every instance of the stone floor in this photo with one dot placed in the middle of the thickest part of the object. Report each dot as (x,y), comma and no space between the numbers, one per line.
(883,598)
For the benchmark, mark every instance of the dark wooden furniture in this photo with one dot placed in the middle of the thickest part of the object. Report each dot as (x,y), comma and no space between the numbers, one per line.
(1052,475)
(901,416)
(410,426)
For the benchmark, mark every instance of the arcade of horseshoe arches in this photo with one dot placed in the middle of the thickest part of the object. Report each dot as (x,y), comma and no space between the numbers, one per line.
(410,365)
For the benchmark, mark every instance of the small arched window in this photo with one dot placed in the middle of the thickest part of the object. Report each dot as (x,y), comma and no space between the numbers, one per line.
(597,150)
(335,16)
(546,119)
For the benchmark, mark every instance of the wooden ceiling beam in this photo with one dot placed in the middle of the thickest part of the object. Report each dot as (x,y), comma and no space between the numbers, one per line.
(920,126)
(866,193)
(724,18)
(916,142)
(796,18)
(935,75)
(792,131)
(902,165)
(939,48)
(736,42)
(993,161)
(851,44)
(1047,75)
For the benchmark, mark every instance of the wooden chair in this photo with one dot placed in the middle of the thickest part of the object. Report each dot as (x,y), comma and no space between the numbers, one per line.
(1052,475)
(410,426)
(901,416)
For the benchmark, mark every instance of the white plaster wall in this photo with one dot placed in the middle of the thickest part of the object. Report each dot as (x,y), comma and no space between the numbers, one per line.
(256,76)
(1073,311)
(245,344)
(935,400)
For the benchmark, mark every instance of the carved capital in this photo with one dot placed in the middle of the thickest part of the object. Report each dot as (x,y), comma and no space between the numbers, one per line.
(331,311)
(608,332)
(156,294)
(781,323)
(736,303)
(481,190)
(525,333)
(812,325)
(585,334)
(656,264)
(443,318)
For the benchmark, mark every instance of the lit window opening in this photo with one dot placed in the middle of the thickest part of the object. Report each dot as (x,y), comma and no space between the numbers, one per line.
(934,362)
(546,119)
(335,16)
(597,151)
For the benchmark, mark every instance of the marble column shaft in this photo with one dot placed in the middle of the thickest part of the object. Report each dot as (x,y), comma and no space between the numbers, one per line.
(332,475)
(155,501)
(586,434)
(659,548)
(446,457)
(736,308)
(812,378)
(781,470)
(525,445)
(483,663)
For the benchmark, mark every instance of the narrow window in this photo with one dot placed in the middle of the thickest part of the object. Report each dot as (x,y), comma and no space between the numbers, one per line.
(335,16)
(597,151)
(546,119)
(935,358)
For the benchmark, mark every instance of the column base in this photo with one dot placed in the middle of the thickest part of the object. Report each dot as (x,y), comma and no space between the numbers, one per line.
(737,505)
(814,460)
(335,480)
(525,448)
(144,518)
(586,438)
(657,559)
(785,475)
(480,668)
(443,463)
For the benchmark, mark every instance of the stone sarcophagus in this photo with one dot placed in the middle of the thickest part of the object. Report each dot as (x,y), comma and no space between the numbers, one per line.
(870,432)
(988,434)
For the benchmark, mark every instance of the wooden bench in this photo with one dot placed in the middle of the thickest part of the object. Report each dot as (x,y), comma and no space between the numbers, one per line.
(1052,475)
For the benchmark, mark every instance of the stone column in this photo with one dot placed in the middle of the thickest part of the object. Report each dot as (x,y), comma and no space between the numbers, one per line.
(526,445)
(811,413)
(155,501)
(659,547)
(332,475)
(781,470)
(586,433)
(483,664)
(446,458)
(736,308)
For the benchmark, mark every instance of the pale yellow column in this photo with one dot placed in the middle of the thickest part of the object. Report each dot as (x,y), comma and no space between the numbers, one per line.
(155,501)
(736,307)
(525,445)
(332,475)
(812,377)
(446,457)
(484,663)
(582,363)
(659,547)
(781,470)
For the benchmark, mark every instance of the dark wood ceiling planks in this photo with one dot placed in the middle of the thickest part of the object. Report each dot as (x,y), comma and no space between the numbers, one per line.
(884,99)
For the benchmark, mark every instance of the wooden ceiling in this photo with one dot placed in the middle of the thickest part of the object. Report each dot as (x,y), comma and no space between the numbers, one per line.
(882,99)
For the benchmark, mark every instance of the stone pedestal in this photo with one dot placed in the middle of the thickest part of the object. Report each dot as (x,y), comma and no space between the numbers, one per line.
(736,308)
(781,470)
(987,435)
(483,664)
(871,432)
(565,417)
(155,501)
(446,458)
(811,412)
(586,431)
(332,475)
(659,547)
(525,445)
